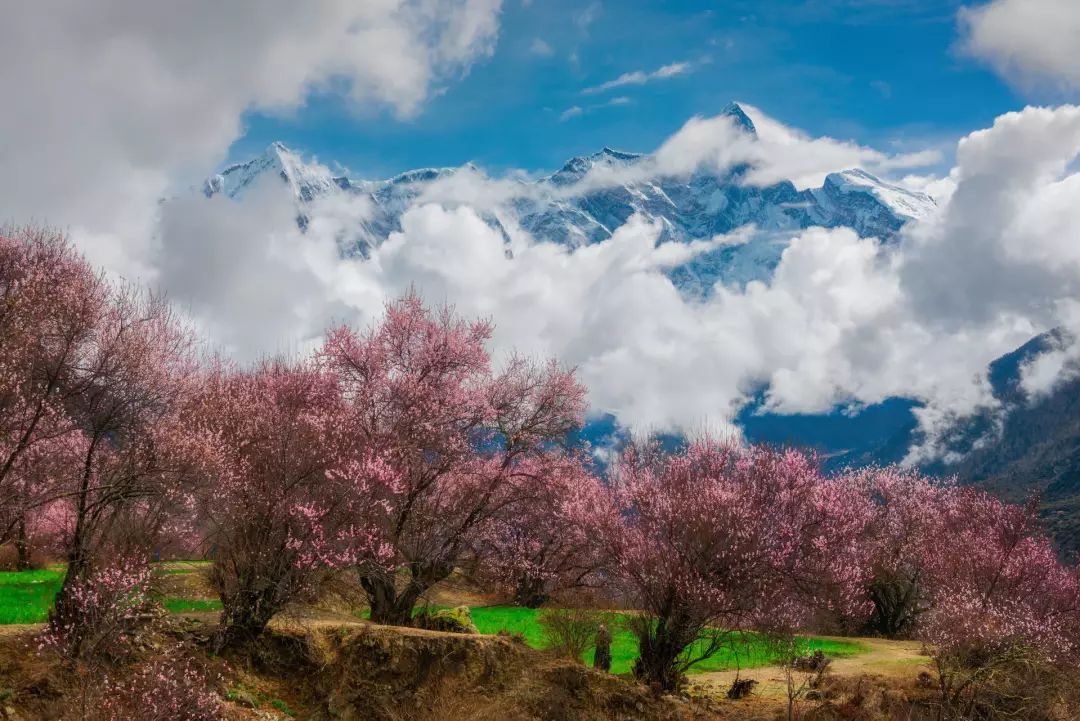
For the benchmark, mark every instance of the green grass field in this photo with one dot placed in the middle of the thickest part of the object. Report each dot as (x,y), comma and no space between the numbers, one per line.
(27,596)
(752,650)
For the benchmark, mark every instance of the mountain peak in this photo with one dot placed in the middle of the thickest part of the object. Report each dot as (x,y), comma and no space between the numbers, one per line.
(304,179)
(280,153)
(577,167)
(903,202)
(742,120)
(609,152)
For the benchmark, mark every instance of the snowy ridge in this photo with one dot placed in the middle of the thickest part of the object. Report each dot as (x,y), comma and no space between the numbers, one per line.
(555,209)
(308,181)
(902,202)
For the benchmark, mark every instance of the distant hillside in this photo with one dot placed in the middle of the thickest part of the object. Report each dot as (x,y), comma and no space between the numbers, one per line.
(1036,449)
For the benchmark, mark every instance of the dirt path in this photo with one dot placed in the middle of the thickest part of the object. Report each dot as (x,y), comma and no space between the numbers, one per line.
(15,629)
(892,659)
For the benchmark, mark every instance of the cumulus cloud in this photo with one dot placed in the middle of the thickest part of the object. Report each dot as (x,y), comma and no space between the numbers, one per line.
(843,320)
(640,77)
(115,103)
(1032,43)
(242,270)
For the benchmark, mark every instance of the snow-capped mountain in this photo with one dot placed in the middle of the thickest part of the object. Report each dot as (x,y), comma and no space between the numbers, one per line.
(587,199)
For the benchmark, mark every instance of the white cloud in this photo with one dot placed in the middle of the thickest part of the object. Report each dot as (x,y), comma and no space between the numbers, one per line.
(114,103)
(572,112)
(1045,372)
(587,16)
(541,48)
(640,77)
(775,152)
(576,110)
(1032,43)
(249,278)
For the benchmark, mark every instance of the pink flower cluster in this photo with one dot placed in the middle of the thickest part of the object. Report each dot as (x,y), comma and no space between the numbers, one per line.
(108,606)
(560,532)
(170,688)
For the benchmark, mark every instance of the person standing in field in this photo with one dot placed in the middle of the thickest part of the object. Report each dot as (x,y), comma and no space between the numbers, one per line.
(602,655)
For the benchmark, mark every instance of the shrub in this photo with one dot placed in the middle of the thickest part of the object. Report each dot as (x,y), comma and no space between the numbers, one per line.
(570,632)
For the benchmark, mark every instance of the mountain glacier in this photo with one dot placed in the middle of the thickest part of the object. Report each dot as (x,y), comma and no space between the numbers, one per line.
(589,197)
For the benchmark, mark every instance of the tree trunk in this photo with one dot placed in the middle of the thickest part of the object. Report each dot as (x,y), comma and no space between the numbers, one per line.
(393,606)
(243,619)
(530,592)
(67,612)
(659,650)
(388,605)
(896,607)
(23,561)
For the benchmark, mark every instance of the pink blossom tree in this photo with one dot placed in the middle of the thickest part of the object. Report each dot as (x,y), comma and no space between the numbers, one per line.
(558,534)
(41,515)
(906,525)
(92,380)
(460,438)
(51,303)
(135,374)
(290,494)
(720,538)
(998,593)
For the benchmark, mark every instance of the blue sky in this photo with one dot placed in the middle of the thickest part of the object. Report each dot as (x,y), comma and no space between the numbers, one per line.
(887,73)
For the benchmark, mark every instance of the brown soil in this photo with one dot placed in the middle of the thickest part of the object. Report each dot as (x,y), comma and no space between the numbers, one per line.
(881,682)
(352,670)
(897,660)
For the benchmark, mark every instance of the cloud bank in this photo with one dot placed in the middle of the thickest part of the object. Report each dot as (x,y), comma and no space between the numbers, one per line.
(843,321)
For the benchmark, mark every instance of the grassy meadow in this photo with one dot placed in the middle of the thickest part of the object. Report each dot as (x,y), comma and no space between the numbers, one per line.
(27,596)
(751,650)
